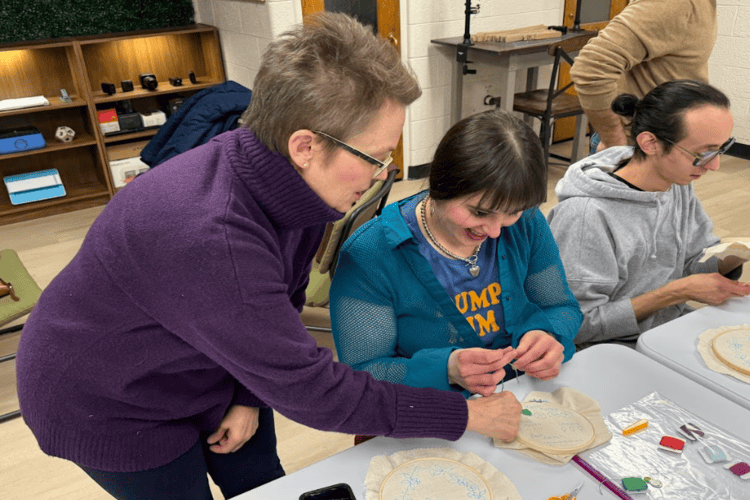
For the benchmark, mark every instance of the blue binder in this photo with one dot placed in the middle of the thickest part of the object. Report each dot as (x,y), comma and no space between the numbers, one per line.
(25,139)
(34,186)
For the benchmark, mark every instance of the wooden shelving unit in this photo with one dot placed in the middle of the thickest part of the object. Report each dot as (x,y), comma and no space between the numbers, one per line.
(80,140)
(133,135)
(80,65)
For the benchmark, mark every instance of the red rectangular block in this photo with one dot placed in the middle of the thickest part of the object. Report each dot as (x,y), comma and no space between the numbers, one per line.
(672,444)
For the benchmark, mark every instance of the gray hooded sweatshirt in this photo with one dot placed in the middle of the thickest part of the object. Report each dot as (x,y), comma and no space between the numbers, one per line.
(617,242)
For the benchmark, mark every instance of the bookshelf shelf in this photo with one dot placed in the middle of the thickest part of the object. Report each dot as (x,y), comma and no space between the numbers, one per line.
(80,65)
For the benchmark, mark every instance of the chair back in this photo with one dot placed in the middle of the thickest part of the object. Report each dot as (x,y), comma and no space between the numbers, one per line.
(565,50)
(573,44)
(551,103)
(362,212)
(324,265)
(25,292)
(19,294)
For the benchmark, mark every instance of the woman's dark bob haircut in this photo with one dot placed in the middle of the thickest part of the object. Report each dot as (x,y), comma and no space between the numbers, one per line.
(494,153)
(662,110)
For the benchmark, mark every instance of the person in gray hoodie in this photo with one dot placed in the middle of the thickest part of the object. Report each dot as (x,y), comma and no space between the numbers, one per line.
(630,229)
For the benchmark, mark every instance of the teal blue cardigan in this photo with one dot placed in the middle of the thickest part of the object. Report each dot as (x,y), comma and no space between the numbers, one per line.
(391,317)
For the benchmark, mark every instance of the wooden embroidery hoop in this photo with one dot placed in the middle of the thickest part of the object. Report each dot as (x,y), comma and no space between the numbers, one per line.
(547,429)
(725,354)
(440,459)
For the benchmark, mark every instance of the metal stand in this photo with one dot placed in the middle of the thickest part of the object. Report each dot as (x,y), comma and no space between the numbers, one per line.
(462,49)
(576,23)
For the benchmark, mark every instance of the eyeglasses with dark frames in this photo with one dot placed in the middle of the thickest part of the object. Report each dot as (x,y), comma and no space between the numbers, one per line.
(380,165)
(705,158)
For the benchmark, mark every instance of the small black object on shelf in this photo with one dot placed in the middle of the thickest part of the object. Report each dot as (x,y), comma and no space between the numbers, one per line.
(109,88)
(192,77)
(149,81)
(130,122)
(127,85)
(124,106)
(174,104)
(175,82)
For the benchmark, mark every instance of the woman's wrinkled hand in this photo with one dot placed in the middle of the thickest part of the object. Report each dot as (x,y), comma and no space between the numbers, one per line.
(236,428)
(497,416)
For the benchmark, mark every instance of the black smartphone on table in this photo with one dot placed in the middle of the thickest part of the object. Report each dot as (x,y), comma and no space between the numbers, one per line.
(339,491)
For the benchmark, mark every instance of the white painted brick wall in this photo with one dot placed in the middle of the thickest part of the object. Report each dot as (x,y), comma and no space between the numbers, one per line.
(245,28)
(729,66)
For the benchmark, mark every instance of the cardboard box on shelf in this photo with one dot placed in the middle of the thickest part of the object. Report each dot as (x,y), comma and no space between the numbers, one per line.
(108,122)
(125,170)
(154,118)
(125,162)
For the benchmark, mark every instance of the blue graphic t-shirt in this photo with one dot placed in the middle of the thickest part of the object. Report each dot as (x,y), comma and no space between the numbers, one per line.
(478,299)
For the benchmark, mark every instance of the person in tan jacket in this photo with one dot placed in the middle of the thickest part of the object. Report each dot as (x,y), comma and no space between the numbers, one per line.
(650,42)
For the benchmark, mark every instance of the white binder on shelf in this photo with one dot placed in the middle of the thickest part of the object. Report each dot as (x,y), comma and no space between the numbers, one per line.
(34,186)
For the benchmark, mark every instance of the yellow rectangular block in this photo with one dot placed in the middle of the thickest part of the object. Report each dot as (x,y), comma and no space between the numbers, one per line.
(638,426)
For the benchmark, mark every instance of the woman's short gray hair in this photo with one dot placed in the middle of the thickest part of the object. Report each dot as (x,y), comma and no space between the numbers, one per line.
(332,74)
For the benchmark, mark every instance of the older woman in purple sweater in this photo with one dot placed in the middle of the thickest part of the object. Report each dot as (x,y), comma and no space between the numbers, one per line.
(157,355)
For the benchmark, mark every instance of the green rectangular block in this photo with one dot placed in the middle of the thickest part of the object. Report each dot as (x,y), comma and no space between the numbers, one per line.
(634,484)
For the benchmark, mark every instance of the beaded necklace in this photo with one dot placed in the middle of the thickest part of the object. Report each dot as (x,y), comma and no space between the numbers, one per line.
(471,261)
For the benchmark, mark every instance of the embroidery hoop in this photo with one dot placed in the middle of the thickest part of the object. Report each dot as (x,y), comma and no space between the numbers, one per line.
(545,429)
(435,459)
(729,356)
(381,467)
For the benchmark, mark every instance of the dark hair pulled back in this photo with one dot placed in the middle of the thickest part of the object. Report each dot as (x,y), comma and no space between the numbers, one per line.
(494,153)
(662,110)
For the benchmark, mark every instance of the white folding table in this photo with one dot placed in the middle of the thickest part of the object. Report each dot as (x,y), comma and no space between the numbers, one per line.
(673,344)
(614,375)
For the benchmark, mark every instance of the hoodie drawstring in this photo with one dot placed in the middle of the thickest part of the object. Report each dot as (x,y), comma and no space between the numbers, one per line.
(656,229)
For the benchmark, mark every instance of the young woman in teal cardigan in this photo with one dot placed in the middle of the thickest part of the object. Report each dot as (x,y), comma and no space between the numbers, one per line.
(446,288)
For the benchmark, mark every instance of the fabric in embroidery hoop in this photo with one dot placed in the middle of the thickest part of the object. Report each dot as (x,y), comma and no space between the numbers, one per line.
(430,473)
(569,398)
(453,479)
(554,429)
(732,347)
(731,246)
(705,347)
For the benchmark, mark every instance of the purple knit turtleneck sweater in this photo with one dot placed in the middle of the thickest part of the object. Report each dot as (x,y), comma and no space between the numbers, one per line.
(183,300)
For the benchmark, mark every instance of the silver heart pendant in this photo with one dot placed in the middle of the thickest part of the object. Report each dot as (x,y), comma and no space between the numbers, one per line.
(474,271)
